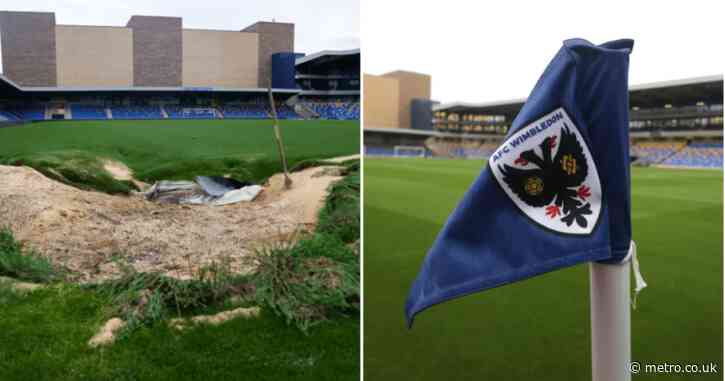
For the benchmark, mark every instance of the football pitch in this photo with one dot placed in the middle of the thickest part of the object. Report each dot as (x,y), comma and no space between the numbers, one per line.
(180,149)
(539,328)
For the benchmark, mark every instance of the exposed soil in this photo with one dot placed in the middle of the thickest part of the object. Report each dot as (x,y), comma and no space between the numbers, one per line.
(340,159)
(90,233)
(18,286)
(106,334)
(120,171)
(216,319)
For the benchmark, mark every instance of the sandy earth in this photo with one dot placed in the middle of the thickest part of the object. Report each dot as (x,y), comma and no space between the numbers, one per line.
(106,335)
(90,232)
(340,159)
(120,171)
(19,286)
(216,319)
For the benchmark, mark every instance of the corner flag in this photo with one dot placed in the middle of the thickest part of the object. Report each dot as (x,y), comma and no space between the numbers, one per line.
(556,193)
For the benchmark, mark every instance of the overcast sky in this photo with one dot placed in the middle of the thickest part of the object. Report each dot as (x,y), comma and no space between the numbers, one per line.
(319,24)
(480,51)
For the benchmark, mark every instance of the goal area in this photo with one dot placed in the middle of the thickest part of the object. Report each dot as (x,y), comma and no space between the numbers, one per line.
(409,151)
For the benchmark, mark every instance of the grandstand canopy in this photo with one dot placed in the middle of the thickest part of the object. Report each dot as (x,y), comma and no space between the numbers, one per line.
(684,92)
(8,87)
(327,60)
(681,92)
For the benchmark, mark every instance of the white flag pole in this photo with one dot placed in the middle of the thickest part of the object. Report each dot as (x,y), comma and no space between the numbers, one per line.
(610,318)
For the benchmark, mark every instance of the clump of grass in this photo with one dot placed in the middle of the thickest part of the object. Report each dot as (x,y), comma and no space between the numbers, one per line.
(351,165)
(255,170)
(341,214)
(318,276)
(145,299)
(80,169)
(309,281)
(22,263)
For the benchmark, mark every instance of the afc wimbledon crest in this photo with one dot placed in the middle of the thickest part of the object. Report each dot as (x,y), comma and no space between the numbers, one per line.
(547,170)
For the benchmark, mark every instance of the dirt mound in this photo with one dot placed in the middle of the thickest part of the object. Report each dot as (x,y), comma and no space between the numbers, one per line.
(90,233)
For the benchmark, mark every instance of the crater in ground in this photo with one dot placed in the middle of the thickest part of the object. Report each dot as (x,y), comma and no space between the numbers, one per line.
(93,234)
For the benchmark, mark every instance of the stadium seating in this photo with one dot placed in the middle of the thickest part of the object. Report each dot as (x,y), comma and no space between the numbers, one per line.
(335,109)
(470,150)
(379,151)
(28,112)
(648,153)
(6,116)
(136,112)
(88,112)
(245,111)
(180,112)
(700,155)
(285,112)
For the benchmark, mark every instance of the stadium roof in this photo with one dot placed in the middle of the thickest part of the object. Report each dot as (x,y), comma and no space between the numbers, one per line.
(327,56)
(153,89)
(687,91)
(677,92)
(8,87)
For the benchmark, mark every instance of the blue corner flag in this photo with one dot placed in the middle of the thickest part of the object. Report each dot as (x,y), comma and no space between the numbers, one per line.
(556,193)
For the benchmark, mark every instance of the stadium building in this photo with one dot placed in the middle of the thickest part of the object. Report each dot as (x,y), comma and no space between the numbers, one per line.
(673,123)
(398,112)
(153,68)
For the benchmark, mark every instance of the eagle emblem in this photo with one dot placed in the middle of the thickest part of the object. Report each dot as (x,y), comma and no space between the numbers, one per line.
(547,170)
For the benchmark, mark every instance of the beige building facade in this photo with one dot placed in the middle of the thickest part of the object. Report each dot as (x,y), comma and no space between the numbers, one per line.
(149,51)
(94,56)
(387,98)
(380,100)
(220,58)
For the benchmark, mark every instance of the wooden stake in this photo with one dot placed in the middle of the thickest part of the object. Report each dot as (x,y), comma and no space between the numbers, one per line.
(278,138)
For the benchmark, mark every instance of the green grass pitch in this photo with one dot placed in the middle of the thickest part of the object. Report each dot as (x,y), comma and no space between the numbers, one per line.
(539,328)
(178,149)
(44,336)
(139,141)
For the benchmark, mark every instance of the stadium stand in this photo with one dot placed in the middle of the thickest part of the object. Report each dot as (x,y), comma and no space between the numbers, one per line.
(29,112)
(330,85)
(245,111)
(379,151)
(88,112)
(136,112)
(673,123)
(647,153)
(285,112)
(697,155)
(334,109)
(180,112)
(472,149)
(7,116)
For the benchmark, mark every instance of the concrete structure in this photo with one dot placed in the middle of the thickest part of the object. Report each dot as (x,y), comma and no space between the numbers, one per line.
(94,55)
(381,102)
(388,98)
(411,86)
(220,58)
(28,47)
(149,51)
(274,38)
(156,50)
